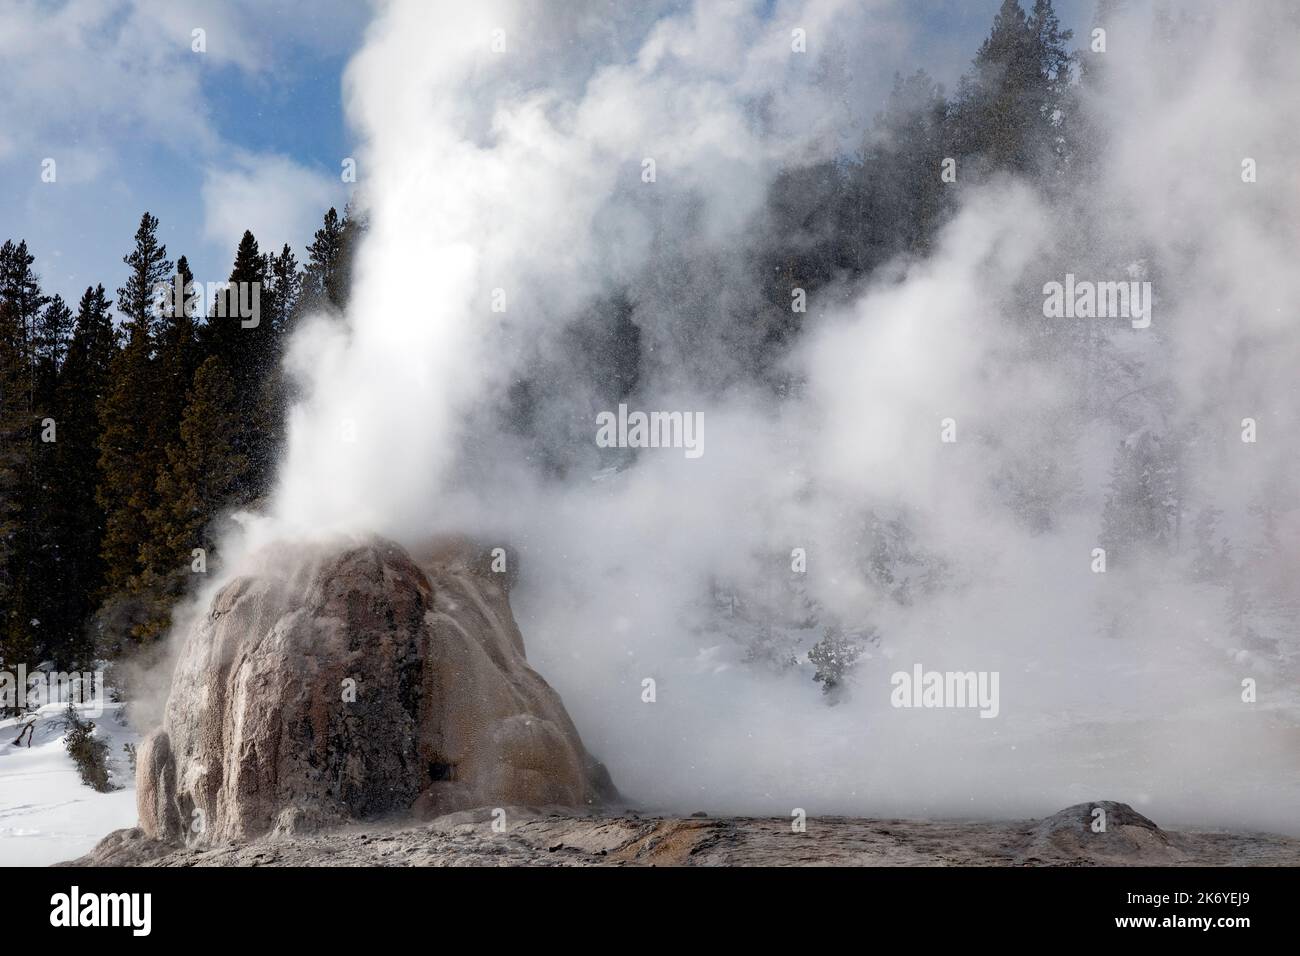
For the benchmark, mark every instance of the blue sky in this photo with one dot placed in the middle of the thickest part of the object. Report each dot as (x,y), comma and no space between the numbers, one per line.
(249,133)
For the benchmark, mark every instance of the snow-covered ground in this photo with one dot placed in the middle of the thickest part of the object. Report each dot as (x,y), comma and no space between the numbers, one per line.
(46,813)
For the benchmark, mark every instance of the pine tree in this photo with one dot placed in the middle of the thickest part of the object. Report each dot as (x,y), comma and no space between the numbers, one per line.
(43,552)
(15,420)
(1051,96)
(77,516)
(129,412)
(897,187)
(833,657)
(23,526)
(282,303)
(178,353)
(1010,107)
(248,351)
(51,339)
(21,298)
(150,268)
(126,413)
(93,343)
(286,287)
(227,333)
(205,473)
(57,573)
(329,261)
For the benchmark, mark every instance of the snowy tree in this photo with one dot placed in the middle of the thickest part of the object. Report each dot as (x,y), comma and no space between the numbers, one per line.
(834,656)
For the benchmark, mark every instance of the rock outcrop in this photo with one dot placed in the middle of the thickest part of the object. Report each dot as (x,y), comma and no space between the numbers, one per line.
(352,685)
(1121,833)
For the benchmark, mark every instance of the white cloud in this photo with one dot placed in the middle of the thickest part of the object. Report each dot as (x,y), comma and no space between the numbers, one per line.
(118,73)
(278,199)
(95,71)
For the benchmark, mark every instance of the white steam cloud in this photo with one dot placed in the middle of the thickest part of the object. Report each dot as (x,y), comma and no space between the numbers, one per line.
(521,171)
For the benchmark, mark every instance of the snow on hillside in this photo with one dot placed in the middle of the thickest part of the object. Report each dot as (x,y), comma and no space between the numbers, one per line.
(47,814)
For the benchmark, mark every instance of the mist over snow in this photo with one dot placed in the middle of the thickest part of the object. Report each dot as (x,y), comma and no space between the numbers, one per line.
(518,177)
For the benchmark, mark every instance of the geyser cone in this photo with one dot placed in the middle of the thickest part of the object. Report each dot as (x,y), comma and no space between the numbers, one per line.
(351,683)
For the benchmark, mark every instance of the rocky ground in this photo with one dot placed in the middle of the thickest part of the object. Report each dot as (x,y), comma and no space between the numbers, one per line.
(534,837)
